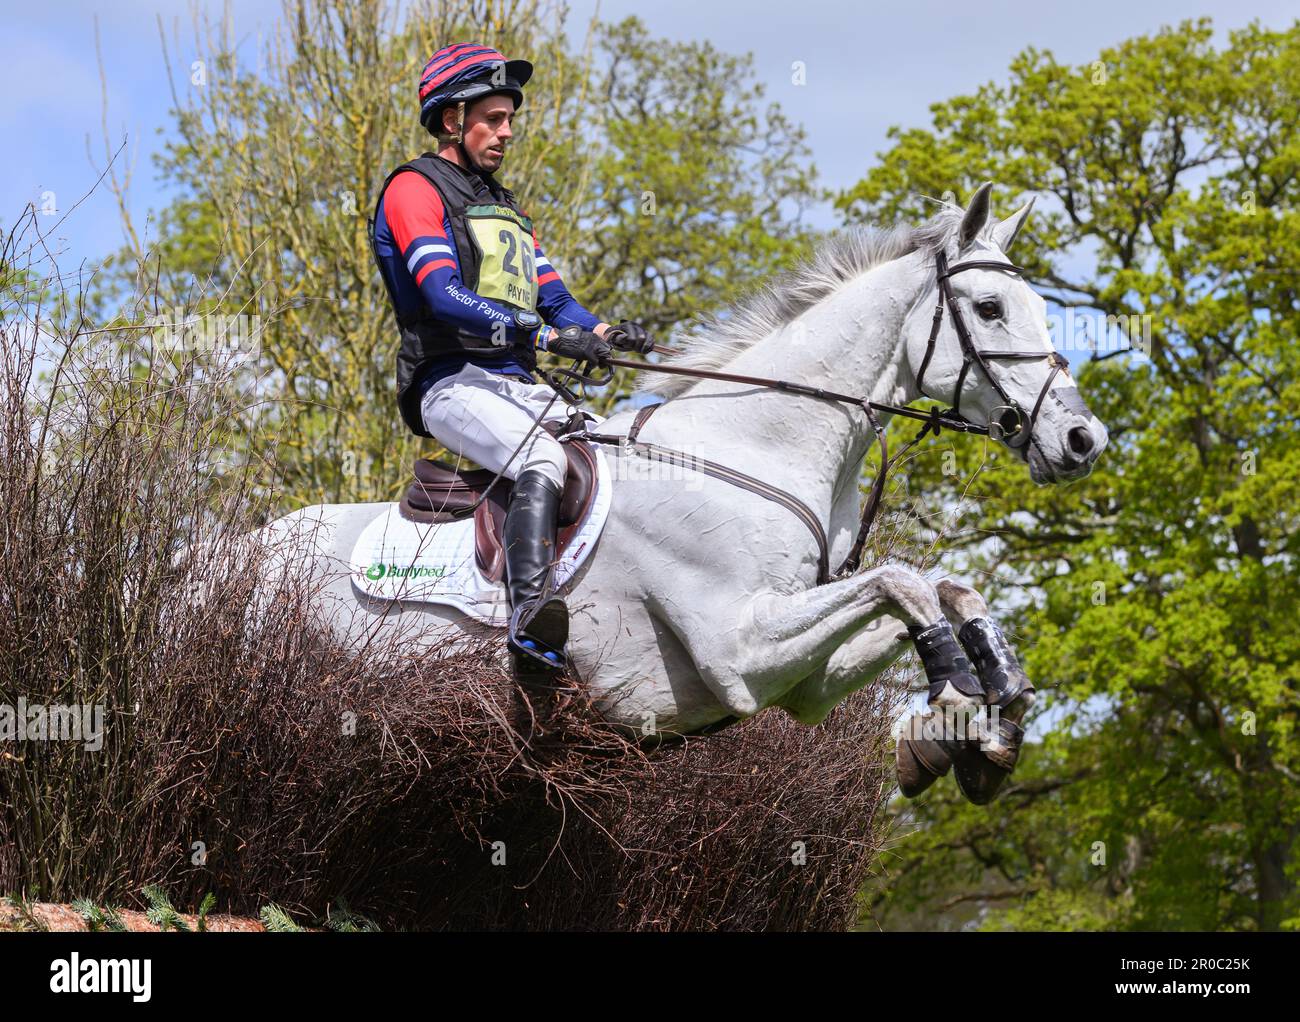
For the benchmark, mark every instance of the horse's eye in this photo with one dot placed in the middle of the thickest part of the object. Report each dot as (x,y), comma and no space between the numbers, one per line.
(989,309)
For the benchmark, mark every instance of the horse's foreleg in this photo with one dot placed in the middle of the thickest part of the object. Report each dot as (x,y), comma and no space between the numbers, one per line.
(873,648)
(781,638)
(853,665)
(1006,685)
(930,745)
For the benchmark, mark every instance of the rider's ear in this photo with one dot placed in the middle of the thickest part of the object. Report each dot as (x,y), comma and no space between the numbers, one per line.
(977,215)
(1005,232)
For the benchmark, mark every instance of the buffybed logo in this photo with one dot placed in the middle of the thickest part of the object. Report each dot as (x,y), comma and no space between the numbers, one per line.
(102,976)
(377,571)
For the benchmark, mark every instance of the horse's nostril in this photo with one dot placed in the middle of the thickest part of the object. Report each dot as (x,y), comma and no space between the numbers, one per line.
(1080,441)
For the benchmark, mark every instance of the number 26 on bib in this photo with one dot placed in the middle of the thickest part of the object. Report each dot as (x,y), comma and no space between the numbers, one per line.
(507,270)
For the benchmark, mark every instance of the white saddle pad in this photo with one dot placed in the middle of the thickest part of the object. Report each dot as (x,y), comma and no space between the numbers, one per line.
(397,559)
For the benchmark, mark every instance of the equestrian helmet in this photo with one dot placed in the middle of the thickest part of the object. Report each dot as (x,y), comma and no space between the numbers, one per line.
(467,71)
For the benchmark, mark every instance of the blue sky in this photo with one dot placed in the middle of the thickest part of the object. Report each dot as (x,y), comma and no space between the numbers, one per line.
(868,66)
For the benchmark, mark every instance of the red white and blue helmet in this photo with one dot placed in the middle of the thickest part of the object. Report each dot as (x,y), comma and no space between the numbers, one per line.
(464,71)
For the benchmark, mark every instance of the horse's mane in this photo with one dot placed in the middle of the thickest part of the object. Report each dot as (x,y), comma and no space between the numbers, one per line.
(838,258)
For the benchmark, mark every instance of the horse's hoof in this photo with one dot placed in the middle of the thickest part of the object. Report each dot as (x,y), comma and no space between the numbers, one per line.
(1001,745)
(920,760)
(978,779)
(981,760)
(980,770)
(914,777)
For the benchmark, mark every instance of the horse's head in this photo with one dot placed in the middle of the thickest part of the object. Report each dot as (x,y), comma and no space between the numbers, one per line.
(986,351)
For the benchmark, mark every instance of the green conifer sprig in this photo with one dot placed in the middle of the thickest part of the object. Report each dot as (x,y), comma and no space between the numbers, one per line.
(277,920)
(160,911)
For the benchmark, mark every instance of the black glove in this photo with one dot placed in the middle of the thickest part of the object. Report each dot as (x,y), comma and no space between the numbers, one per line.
(629,336)
(575,342)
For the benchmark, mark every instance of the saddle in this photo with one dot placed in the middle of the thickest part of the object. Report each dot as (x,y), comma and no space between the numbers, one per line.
(440,493)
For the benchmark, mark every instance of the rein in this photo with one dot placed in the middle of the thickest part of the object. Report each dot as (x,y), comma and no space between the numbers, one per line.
(1008,422)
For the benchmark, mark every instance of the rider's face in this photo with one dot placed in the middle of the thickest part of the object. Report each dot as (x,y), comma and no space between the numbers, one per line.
(487,130)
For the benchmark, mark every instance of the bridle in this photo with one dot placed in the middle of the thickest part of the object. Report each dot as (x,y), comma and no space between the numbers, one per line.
(1016,433)
(1019,431)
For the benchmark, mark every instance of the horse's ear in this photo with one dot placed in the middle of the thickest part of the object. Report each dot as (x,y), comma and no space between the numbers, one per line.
(977,215)
(1005,232)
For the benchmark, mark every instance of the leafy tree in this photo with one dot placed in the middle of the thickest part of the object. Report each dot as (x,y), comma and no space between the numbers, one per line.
(692,184)
(1154,601)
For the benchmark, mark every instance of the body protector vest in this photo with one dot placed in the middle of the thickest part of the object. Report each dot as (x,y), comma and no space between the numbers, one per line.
(494,245)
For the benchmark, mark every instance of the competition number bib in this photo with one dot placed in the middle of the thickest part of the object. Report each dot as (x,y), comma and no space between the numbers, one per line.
(507,271)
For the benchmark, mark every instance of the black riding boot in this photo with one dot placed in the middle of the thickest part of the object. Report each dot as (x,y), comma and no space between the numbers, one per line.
(539,621)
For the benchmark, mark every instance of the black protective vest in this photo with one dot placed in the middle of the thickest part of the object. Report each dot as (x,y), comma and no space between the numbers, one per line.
(424,338)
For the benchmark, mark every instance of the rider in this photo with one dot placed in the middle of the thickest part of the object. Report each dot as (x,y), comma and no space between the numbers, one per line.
(475,299)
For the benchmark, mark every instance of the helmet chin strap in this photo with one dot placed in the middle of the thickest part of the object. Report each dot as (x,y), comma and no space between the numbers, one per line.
(459,137)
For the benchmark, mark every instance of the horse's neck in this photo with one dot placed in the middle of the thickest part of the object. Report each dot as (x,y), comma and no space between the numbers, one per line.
(850,343)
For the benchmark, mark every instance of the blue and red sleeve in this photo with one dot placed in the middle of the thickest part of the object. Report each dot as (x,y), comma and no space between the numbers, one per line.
(554,303)
(417,219)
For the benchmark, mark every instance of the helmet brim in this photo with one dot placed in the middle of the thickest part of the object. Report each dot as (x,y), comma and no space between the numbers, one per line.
(519,70)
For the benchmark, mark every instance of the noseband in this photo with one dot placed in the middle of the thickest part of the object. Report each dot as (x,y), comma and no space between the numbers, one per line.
(1008,421)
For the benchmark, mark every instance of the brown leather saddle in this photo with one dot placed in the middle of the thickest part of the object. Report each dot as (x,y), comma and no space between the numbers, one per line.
(440,494)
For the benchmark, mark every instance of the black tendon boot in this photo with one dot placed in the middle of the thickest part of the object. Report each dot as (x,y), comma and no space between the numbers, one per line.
(952,678)
(1003,678)
(1006,684)
(539,621)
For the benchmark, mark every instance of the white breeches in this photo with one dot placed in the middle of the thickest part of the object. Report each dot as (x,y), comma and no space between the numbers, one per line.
(483,416)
